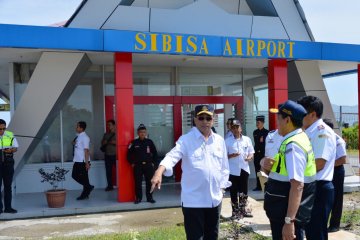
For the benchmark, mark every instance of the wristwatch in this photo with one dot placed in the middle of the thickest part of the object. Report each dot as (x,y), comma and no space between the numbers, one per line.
(288,220)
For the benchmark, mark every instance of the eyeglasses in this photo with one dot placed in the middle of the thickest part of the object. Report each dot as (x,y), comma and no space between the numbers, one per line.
(207,118)
(2,129)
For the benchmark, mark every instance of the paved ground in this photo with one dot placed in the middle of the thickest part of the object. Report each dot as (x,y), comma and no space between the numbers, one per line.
(92,224)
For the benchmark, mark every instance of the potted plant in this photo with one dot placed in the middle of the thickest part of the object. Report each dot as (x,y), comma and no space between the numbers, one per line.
(55,197)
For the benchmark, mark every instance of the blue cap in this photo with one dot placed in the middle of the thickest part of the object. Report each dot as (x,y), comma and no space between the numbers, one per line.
(207,109)
(291,109)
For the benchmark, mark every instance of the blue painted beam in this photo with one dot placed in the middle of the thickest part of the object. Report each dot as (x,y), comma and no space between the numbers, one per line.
(17,36)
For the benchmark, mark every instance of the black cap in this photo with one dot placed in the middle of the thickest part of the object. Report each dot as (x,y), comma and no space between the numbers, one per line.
(141,127)
(207,109)
(290,108)
(235,122)
(260,118)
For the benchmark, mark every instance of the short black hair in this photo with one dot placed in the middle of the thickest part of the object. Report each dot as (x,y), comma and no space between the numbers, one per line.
(82,125)
(329,122)
(312,104)
(2,121)
(112,121)
(296,122)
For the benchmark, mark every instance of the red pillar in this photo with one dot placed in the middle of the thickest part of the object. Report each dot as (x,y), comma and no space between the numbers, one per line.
(277,85)
(124,112)
(177,133)
(359,110)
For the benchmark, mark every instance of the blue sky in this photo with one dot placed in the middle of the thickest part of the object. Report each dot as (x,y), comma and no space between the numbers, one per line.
(329,20)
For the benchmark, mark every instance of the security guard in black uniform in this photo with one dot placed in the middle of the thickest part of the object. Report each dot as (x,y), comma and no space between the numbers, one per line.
(8,145)
(259,139)
(142,155)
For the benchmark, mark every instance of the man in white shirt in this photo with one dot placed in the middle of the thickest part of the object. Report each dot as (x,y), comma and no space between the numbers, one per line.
(323,141)
(205,175)
(290,190)
(82,160)
(228,128)
(338,181)
(240,151)
(272,143)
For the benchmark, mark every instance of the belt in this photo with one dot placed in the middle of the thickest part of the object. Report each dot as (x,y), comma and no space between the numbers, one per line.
(338,167)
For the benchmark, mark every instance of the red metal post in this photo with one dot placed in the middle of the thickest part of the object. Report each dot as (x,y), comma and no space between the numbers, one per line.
(277,85)
(177,133)
(124,112)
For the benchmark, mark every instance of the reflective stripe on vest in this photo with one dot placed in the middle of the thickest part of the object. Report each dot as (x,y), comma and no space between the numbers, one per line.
(279,171)
(7,139)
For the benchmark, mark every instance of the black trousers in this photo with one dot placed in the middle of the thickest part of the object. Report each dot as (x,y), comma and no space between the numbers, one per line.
(80,175)
(338,182)
(202,223)
(316,229)
(276,230)
(239,184)
(140,170)
(109,163)
(6,176)
(257,159)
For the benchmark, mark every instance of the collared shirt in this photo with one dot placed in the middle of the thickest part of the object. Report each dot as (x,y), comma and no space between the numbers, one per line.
(205,168)
(295,158)
(240,145)
(228,134)
(82,142)
(340,147)
(272,143)
(14,143)
(323,141)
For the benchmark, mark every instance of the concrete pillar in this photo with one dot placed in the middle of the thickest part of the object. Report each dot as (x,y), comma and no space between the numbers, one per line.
(55,77)
(124,112)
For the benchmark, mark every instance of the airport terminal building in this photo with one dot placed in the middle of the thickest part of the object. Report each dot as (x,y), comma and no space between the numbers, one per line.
(151,62)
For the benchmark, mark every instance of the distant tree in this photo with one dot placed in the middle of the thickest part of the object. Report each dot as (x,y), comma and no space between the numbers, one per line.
(351,136)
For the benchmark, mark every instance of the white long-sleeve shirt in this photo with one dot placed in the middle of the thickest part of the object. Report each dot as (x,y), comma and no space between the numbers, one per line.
(205,169)
(242,145)
(323,141)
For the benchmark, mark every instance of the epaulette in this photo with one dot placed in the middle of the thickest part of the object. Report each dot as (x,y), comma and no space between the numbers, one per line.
(320,127)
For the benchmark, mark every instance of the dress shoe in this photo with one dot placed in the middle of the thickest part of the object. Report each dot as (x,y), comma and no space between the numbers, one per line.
(82,197)
(137,201)
(151,201)
(90,190)
(248,215)
(333,229)
(10,210)
(109,188)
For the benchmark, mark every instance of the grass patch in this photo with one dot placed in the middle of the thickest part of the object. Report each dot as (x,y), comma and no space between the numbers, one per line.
(175,233)
(351,219)
(166,233)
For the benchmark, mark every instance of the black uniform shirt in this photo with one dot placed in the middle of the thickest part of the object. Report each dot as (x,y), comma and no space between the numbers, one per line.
(259,140)
(142,151)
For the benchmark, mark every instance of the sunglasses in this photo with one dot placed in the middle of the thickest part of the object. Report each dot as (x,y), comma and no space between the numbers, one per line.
(2,129)
(207,118)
